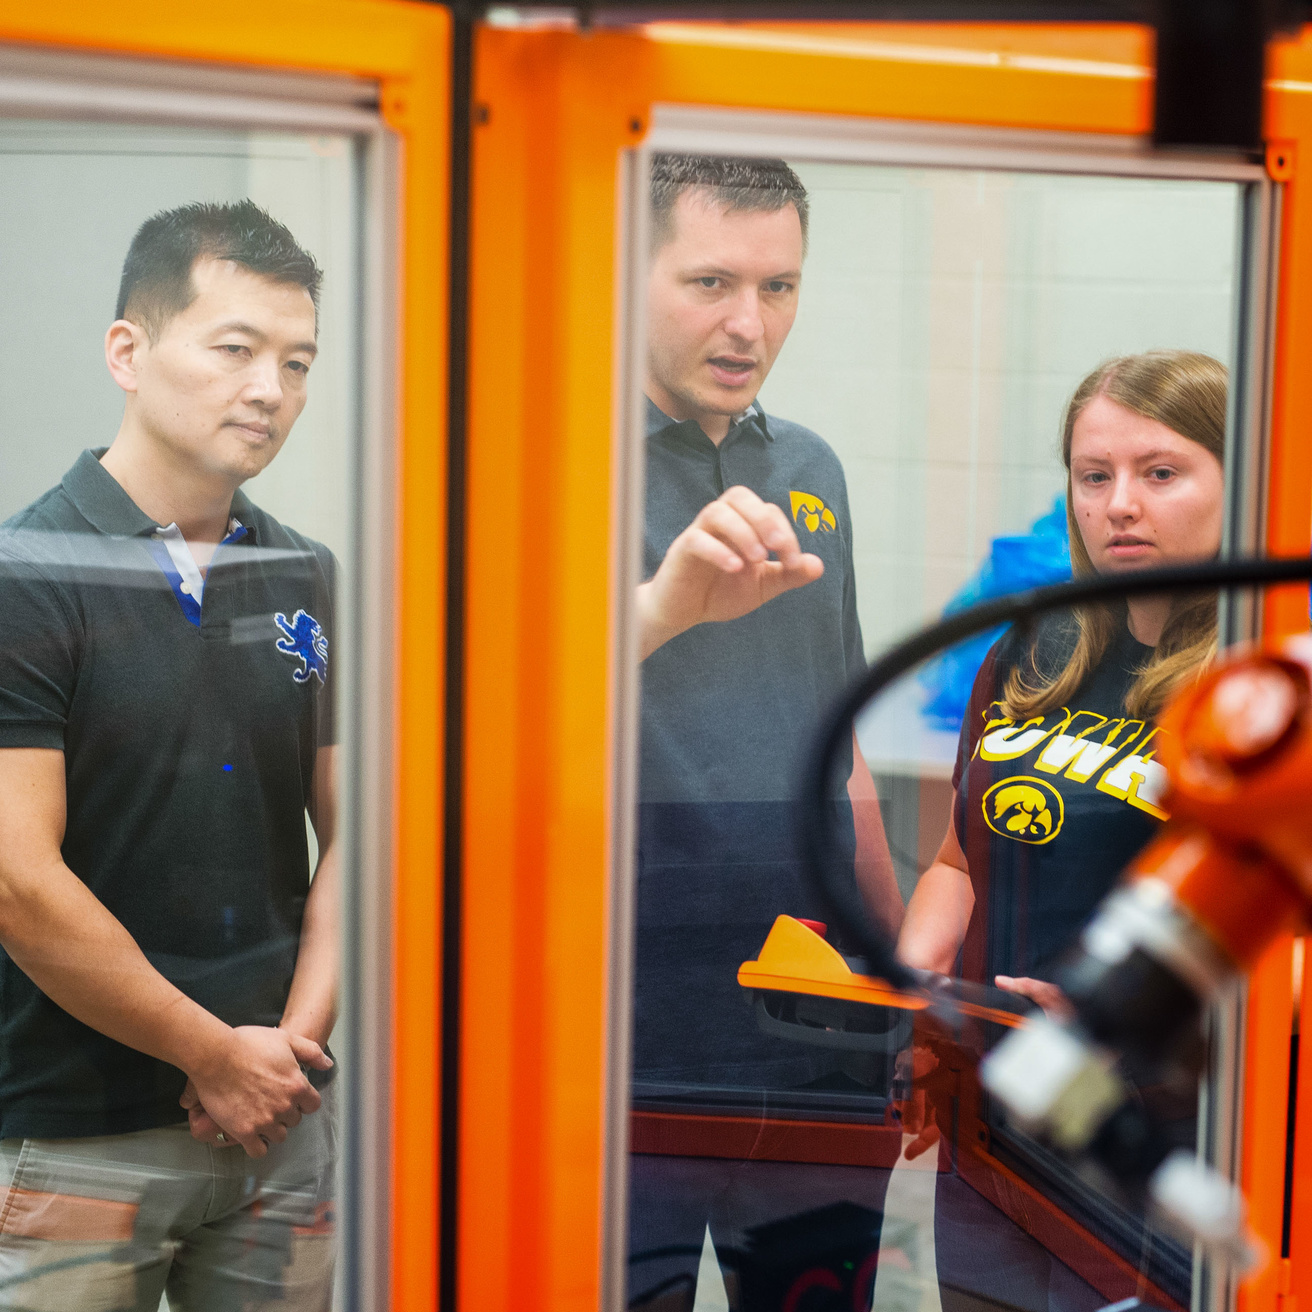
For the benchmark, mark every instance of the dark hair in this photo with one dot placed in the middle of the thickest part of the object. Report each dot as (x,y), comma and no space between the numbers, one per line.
(733,181)
(156,282)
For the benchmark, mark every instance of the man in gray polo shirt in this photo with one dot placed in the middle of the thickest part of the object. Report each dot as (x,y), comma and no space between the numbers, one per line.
(168,973)
(748,632)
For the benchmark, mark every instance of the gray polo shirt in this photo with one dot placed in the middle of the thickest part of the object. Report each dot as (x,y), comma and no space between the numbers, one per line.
(728,709)
(728,713)
(189,729)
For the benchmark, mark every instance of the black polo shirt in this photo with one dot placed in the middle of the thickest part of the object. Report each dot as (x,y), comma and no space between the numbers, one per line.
(189,754)
(728,713)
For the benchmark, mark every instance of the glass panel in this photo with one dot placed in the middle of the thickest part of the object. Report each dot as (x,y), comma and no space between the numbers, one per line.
(168,702)
(842,442)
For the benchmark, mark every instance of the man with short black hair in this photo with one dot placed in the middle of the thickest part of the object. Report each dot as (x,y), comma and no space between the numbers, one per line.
(168,978)
(748,631)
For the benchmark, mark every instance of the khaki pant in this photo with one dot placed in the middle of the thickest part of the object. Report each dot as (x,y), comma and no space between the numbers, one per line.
(110,1224)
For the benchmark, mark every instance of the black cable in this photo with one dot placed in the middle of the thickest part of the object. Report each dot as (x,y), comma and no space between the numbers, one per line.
(820,853)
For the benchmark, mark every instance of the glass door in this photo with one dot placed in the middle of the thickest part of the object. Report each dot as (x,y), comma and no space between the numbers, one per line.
(878,374)
(189,579)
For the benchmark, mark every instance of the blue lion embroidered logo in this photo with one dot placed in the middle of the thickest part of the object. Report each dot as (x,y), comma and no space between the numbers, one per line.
(303,637)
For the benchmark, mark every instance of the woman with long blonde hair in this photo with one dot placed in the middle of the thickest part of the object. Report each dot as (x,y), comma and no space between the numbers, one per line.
(1057,784)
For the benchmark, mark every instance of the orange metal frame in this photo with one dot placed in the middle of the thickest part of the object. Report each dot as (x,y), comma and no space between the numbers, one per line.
(406,48)
(556,109)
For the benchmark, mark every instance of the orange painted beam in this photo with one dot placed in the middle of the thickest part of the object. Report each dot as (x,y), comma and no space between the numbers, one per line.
(1289,532)
(372,38)
(1266,1099)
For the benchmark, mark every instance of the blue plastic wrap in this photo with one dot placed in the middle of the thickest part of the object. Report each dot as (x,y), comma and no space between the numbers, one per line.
(1042,555)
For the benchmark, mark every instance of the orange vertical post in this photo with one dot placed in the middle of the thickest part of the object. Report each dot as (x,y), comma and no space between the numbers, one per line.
(1289,532)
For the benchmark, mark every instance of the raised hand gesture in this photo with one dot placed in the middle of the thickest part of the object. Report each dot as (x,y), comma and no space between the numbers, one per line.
(719,568)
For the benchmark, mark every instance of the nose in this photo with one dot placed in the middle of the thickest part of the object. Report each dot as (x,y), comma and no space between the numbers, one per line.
(744,322)
(264,383)
(1123,504)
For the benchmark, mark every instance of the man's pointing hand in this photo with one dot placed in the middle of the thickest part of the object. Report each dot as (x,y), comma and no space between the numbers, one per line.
(719,568)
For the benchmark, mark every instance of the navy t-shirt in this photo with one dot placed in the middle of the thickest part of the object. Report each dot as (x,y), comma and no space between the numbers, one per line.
(1050,810)
(728,713)
(189,737)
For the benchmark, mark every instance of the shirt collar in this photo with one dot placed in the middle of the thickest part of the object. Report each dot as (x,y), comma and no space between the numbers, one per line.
(102,502)
(244,513)
(657,420)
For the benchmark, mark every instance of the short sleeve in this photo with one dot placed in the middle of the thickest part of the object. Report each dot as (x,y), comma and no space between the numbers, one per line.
(39,646)
(854,652)
(854,655)
(982,694)
(326,708)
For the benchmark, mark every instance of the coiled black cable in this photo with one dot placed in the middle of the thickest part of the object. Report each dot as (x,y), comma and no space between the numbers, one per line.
(829,873)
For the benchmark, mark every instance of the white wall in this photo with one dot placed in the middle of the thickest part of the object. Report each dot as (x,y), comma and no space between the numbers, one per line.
(946,316)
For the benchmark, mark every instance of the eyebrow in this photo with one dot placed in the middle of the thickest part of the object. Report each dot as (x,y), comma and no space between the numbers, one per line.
(1162,453)
(240,326)
(714,271)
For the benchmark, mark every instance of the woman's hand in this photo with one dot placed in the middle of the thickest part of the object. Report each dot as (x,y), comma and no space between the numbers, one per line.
(1056,1005)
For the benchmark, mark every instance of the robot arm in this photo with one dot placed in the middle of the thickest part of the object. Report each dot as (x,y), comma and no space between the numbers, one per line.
(1198,906)
(1231,871)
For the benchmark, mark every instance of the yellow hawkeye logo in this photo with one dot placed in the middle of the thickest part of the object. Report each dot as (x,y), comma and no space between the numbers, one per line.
(812,512)
(1024,808)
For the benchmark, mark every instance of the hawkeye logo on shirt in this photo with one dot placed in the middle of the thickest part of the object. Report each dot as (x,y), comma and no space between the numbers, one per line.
(812,512)
(1117,755)
(1025,809)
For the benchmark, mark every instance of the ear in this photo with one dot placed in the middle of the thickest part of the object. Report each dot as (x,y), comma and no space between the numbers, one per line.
(124,342)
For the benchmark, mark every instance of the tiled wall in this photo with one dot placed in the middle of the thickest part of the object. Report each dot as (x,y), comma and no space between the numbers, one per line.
(945,318)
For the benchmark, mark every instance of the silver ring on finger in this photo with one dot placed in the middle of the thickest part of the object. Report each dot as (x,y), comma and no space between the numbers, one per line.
(220,1137)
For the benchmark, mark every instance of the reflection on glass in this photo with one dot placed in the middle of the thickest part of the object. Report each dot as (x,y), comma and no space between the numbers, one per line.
(834,456)
(169,848)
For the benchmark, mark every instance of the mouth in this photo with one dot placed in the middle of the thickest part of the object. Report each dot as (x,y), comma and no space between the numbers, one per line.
(1126,546)
(254,429)
(731,370)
